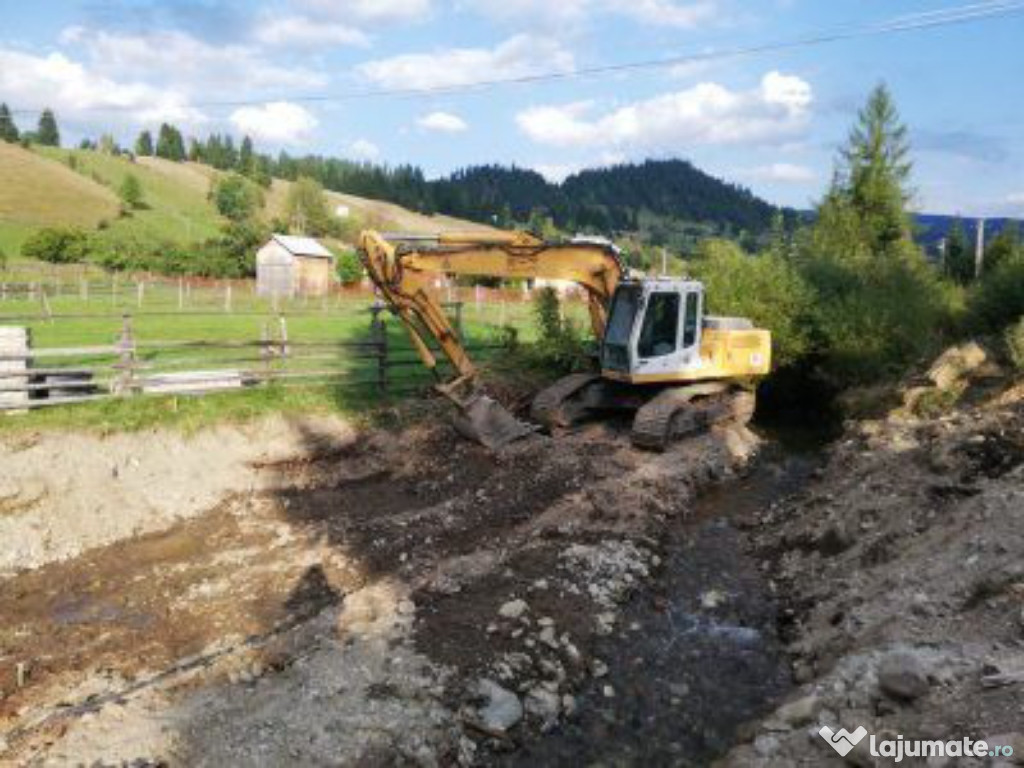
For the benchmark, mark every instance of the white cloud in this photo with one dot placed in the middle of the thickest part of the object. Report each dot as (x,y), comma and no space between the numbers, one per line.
(363,149)
(563,14)
(279,122)
(75,91)
(665,13)
(705,114)
(444,122)
(1017,198)
(177,58)
(519,56)
(567,15)
(297,31)
(369,10)
(786,173)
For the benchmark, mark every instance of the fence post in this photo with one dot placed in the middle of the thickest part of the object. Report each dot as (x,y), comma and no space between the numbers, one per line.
(227,298)
(380,338)
(141,288)
(126,358)
(265,352)
(284,340)
(181,293)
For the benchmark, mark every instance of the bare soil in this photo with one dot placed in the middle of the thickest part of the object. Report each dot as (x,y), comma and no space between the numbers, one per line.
(344,606)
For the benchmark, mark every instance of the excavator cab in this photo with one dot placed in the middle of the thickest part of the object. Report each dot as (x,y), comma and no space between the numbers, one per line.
(654,330)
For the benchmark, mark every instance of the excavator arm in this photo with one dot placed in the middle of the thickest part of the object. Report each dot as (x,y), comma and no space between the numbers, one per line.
(402,268)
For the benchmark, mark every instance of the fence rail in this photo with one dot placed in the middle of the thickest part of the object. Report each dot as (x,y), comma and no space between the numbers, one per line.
(33,378)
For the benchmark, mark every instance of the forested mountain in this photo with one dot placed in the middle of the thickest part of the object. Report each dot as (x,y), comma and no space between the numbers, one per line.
(622,198)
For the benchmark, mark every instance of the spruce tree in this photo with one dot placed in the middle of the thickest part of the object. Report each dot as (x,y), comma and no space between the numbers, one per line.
(8,130)
(874,171)
(48,134)
(958,258)
(144,144)
(170,145)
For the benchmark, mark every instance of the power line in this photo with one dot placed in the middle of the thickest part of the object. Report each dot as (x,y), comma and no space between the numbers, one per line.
(955,16)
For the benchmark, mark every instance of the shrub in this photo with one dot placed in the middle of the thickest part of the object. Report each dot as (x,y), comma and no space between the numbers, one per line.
(130,191)
(3,259)
(350,268)
(56,245)
(1015,343)
(767,289)
(997,300)
(559,341)
(236,198)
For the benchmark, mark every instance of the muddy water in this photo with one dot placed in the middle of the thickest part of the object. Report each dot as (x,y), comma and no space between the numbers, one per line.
(699,654)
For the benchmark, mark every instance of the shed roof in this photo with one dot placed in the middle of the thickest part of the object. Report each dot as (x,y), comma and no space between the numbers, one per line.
(302,246)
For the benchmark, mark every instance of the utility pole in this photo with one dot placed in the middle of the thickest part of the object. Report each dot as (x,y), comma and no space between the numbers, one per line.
(664,262)
(979,250)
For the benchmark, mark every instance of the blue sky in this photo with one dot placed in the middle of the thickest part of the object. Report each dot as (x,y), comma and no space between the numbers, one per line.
(769,121)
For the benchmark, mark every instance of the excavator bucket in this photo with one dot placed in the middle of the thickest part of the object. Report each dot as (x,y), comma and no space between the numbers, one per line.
(486,421)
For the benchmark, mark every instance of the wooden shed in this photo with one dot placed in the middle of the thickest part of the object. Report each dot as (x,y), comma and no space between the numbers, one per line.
(294,266)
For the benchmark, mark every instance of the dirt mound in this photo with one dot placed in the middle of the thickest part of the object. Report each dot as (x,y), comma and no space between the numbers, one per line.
(902,567)
(63,494)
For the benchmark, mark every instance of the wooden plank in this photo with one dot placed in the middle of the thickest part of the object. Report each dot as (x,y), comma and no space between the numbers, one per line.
(14,344)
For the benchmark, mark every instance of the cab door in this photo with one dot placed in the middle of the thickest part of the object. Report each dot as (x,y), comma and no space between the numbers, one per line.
(690,332)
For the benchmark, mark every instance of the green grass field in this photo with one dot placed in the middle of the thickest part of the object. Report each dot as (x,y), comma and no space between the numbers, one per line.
(330,325)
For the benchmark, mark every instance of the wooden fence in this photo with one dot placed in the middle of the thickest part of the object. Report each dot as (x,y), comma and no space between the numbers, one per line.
(32,378)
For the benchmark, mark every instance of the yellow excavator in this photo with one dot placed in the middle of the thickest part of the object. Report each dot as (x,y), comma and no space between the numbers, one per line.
(679,370)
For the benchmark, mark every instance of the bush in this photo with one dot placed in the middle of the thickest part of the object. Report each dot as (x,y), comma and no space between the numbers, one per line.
(130,191)
(559,342)
(1015,343)
(350,268)
(767,289)
(56,245)
(236,198)
(997,300)
(3,259)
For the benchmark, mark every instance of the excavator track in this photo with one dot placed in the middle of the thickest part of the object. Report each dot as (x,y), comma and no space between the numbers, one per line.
(548,406)
(680,412)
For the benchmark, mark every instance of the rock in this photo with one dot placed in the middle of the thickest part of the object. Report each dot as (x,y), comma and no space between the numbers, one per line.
(608,691)
(503,708)
(547,636)
(406,607)
(712,599)
(513,609)
(799,712)
(598,668)
(546,621)
(902,675)
(544,703)
(568,704)
(766,745)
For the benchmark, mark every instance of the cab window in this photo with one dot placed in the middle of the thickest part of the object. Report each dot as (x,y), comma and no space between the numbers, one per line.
(690,323)
(660,332)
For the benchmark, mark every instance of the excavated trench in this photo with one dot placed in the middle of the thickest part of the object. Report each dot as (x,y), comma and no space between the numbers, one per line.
(181,625)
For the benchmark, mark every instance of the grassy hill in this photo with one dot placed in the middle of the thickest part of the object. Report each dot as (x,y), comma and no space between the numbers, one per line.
(48,186)
(37,192)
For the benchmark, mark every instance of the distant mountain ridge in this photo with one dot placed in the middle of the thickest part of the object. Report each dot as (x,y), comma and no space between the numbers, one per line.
(648,196)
